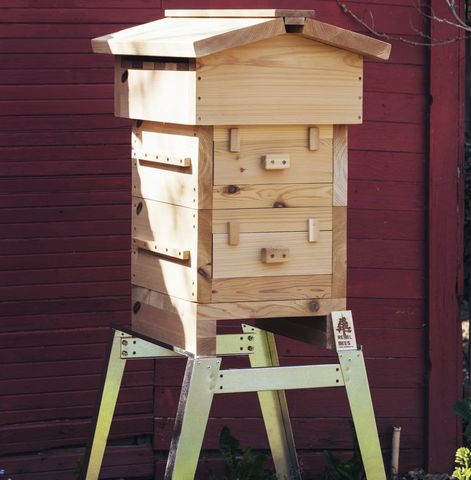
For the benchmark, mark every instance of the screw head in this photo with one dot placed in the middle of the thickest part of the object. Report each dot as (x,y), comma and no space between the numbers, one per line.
(124,353)
(124,342)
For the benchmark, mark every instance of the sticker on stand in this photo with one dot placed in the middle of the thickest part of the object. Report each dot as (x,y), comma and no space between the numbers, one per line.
(344,333)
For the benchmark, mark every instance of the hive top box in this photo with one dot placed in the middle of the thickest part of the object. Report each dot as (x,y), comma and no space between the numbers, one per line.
(244,67)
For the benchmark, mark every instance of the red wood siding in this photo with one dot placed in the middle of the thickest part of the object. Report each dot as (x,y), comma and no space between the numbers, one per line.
(65,264)
(445,245)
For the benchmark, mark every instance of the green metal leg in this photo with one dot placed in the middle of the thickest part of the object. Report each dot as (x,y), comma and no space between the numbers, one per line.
(353,369)
(274,408)
(192,416)
(111,377)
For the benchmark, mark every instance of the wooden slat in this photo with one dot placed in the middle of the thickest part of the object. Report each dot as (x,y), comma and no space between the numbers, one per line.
(268,196)
(23,438)
(267,288)
(246,166)
(345,39)
(62,290)
(340,160)
(268,309)
(69,383)
(65,462)
(244,259)
(386,283)
(387,195)
(330,433)
(167,250)
(373,253)
(105,303)
(384,224)
(272,219)
(289,94)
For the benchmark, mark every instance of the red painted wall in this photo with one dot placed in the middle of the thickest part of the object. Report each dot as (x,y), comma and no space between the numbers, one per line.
(65,263)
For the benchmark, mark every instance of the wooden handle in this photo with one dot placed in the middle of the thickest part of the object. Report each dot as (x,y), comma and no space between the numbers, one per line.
(160,249)
(159,158)
(313,229)
(275,255)
(278,161)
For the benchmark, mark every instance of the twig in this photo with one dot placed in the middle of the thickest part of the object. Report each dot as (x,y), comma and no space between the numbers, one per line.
(433,42)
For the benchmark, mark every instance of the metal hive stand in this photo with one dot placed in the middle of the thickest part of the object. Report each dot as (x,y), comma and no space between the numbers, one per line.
(204,378)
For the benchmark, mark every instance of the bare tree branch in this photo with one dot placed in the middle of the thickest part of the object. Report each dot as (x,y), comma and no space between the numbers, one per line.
(432,41)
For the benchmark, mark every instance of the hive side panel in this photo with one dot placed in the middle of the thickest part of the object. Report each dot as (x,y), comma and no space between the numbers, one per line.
(257,141)
(286,80)
(267,196)
(188,186)
(157,95)
(172,321)
(245,259)
(175,328)
(162,231)
(268,288)
(272,219)
(269,309)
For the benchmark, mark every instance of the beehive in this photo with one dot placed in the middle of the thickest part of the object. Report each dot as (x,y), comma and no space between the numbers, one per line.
(239,151)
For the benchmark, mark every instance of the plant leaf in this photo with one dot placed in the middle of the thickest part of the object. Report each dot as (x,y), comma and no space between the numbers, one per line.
(228,446)
(463,409)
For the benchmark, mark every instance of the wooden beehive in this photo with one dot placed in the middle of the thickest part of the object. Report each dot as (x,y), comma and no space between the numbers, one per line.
(239,150)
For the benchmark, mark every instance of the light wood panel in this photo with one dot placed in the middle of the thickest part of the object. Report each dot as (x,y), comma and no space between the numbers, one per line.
(269,309)
(184,229)
(341,38)
(245,166)
(158,95)
(286,79)
(188,186)
(269,288)
(267,196)
(339,252)
(161,274)
(176,330)
(165,224)
(272,219)
(188,37)
(244,259)
(340,154)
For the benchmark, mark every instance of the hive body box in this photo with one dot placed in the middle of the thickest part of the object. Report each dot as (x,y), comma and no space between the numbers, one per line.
(239,149)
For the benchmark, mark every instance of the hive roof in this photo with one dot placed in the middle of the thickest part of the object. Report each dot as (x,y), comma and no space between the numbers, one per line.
(196,33)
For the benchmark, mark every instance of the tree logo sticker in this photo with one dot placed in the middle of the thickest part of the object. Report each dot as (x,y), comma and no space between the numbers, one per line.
(343,330)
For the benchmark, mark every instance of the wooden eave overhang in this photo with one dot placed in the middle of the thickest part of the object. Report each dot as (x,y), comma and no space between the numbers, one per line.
(194,34)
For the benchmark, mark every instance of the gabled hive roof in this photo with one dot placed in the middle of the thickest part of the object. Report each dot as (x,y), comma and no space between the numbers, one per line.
(197,33)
